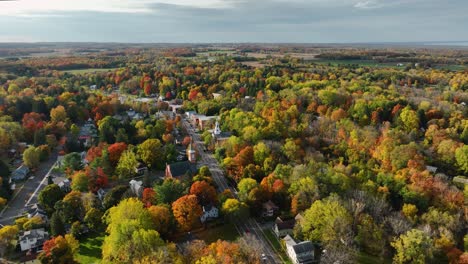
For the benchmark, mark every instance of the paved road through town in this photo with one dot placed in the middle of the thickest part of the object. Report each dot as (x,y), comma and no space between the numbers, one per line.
(28,192)
(243,226)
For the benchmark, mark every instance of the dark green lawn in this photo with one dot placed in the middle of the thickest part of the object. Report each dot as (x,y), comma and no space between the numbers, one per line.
(223,232)
(90,249)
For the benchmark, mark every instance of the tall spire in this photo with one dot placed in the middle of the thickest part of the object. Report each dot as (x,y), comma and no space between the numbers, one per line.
(217,130)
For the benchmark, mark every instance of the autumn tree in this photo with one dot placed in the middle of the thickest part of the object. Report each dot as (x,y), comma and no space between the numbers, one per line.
(8,238)
(161,216)
(131,233)
(58,114)
(49,196)
(461,156)
(127,164)
(149,197)
(150,151)
(206,194)
(31,157)
(414,246)
(59,250)
(115,151)
(319,221)
(80,182)
(233,208)
(187,212)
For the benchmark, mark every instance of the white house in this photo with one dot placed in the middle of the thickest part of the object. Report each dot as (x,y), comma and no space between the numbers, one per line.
(32,239)
(136,187)
(209,212)
(63,183)
(299,253)
(283,227)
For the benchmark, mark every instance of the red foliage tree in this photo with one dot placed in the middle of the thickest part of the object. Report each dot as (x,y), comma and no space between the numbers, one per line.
(31,123)
(149,197)
(115,151)
(206,194)
(94,152)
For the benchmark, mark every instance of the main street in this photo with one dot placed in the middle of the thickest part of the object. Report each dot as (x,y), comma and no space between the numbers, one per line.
(243,226)
(27,192)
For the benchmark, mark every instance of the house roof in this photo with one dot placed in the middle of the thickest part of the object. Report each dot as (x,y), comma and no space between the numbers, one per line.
(289,240)
(35,233)
(286,224)
(207,208)
(270,205)
(303,247)
(181,168)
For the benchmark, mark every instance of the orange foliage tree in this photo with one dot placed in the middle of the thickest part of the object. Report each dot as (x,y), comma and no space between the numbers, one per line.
(187,211)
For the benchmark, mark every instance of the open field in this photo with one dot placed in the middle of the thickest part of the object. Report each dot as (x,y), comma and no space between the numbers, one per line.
(90,70)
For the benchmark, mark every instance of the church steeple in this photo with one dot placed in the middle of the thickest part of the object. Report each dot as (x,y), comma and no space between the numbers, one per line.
(191,153)
(217,130)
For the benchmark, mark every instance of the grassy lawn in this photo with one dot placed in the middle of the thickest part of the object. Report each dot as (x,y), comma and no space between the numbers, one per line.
(90,249)
(277,246)
(90,70)
(212,234)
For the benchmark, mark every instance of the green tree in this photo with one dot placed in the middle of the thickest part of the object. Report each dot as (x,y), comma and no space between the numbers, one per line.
(150,151)
(72,161)
(31,157)
(410,119)
(321,218)
(233,208)
(93,219)
(461,155)
(57,226)
(127,164)
(131,233)
(50,195)
(169,191)
(245,186)
(414,246)
(113,197)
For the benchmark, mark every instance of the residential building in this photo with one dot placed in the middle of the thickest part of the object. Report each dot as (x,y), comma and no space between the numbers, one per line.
(218,135)
(191,152)
(137,187)
(35,210)
(32,239)
(269,209)
(88,133)
(209,212)
(283,227)
(63,183)
(299,253)
(101,193)
(180,170)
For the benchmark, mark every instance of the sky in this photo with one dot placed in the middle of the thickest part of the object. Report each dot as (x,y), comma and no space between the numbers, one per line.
(233,21)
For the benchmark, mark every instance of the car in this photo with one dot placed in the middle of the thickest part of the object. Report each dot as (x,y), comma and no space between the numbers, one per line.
(264,257)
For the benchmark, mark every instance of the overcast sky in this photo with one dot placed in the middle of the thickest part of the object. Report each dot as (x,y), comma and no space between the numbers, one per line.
(312,21)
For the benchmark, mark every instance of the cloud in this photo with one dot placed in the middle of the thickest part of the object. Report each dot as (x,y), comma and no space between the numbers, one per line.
(238,20)
(369,4)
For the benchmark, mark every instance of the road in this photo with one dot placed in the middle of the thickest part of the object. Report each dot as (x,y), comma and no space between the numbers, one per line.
(243,226)
(27,193)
